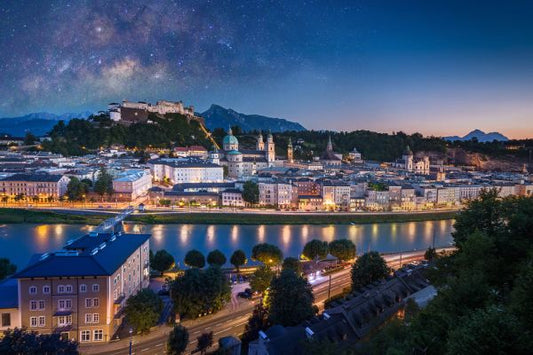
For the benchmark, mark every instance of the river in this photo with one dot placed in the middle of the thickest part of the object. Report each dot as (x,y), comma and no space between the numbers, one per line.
(19,241)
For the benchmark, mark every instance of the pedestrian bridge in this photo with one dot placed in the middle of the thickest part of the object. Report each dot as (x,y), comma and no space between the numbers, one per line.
(112,225)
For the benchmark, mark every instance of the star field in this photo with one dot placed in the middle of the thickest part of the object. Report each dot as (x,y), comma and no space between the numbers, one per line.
(381,65)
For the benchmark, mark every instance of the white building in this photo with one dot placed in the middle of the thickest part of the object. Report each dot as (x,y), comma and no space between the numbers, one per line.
(232,198)
(132,184)
(185,170)
(276,194)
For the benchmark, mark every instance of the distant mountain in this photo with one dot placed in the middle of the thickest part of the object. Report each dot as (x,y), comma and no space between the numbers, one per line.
(220,117)
(38,123)
(480,136)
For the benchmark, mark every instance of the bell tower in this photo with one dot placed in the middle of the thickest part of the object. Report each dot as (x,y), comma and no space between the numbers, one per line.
(290,152)
(270,149)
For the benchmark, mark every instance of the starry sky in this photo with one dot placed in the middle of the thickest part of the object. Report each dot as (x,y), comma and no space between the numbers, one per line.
(437,67)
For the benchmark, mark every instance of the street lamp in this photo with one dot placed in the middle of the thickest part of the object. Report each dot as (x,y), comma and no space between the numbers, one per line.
(131,332)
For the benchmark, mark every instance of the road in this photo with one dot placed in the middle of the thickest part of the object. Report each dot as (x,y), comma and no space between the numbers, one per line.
(232,320)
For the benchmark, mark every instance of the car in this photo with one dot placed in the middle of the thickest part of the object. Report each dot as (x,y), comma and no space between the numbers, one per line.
(245,295)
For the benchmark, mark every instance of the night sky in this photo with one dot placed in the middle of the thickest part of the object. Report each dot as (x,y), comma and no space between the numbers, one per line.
(437,67)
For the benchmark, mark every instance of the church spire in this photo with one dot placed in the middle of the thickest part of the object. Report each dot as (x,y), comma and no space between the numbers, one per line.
(330,145)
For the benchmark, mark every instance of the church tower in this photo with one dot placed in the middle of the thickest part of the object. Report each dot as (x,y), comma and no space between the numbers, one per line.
(270,149)
(329,147)
(408,159)
(260,145)
(290,152)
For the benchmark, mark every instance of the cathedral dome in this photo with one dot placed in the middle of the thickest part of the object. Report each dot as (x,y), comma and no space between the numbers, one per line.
(230,139)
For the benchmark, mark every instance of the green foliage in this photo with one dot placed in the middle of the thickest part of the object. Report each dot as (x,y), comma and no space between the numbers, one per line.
(199,292)
(30,139)
(315,249)
(267,254)
(104,183)
(257,321)
(344,249)
(143,310)
(293,264)
(261,278)
(430,254)
(205,341)
(6,268)
(250,192)
(377,186)
(22,341)
(195,258)
(162,261)
(238,258)
(77,190)
(368,268)
(290,299)
(80,136)
(216,257)
(178,339)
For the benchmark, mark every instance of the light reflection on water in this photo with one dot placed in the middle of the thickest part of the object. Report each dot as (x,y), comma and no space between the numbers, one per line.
(19,241)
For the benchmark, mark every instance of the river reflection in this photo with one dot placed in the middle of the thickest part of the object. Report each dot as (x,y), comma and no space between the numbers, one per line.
(19,241)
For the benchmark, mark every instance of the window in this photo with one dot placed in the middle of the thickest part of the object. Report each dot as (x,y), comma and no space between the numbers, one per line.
(96,287)
(33,290)
(46,289)
(6,319)
(88,303)
(85,335)
(33,305)
(60,289)
(68,289)
(33,321)
(96,302)
(64,320)
(98,335)
(83,288)
(88,318)
(65,304)
(42,321)
(41,304)
(96,318)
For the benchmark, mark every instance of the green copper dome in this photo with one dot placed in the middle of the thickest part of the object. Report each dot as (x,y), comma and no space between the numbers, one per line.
(230,139)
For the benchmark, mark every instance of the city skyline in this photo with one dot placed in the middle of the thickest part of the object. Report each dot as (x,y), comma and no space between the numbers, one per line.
(439,69)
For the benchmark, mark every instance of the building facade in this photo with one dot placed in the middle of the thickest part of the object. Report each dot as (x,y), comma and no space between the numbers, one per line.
(37,185)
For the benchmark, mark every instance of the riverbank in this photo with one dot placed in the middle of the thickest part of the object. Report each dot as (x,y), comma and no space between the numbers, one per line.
(21,215)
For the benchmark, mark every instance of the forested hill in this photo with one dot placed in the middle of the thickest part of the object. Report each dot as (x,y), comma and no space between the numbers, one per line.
(80,136)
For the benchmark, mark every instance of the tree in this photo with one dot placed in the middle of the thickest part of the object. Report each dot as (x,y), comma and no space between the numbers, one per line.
(6,268)
(104,183)
(143,310)
(238,258)
(30,139)
(250,192)
(76,190)
(293,264)
(216,257)
(343,249)
(430,254)
(368,268)
(194,258)
(257,321)
(267,254)
(261,278)
(162,261)
(178,339)
(22,341)
(315,249)
(200,292)
(205,341)
(290,299)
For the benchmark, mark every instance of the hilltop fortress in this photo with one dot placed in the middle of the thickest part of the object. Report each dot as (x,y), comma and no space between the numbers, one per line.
(135,112)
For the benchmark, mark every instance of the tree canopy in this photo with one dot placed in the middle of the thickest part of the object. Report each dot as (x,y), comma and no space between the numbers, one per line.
(104,183)
(290,299)
(76,189)
(368,268)
(261,278)
(22,341)
(344,249)
(6,268)
(290,263)
(250,192)
(216,257)
(162,261)
(195,258)
(178,339)
(315,249)
(238,259)
(267,254)
(143,310)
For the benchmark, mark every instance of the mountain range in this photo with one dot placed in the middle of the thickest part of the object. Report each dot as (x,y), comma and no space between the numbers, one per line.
(480,136)
(39,123)
(219,117)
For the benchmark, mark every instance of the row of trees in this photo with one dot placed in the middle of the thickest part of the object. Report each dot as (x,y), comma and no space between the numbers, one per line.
(77,189)
(343,249)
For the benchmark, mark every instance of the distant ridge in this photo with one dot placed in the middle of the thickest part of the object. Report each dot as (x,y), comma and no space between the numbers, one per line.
(480,136)
(219,117)
(38,123)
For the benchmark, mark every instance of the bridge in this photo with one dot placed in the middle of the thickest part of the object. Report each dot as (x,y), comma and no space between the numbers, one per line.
(113,224)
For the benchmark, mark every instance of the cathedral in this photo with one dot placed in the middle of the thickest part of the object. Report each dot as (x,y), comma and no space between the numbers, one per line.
(418,166)
(244,162)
